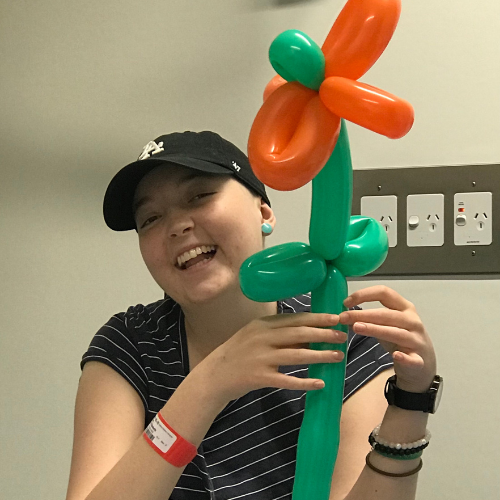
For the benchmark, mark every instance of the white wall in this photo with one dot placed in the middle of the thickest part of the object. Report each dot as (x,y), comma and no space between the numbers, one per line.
(86,84)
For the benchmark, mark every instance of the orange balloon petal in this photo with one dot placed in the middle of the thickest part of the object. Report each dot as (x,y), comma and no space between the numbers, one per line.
(292,137)
(359,36)
(367,106)
(273,84)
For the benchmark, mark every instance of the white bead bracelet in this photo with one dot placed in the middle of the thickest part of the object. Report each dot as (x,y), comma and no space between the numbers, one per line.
(417,445)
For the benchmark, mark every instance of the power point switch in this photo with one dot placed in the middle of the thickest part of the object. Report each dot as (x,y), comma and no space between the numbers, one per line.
(461,220)
(413,221)
(425,214)
(473,218)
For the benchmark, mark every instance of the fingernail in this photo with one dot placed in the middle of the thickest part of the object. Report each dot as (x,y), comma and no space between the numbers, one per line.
(348,301)
(341,336)
(359,327)
(319,384)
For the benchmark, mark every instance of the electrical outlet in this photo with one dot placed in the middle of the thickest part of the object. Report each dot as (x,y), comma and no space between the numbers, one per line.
(473,218)
(383,209)
(425,220)
(477,255)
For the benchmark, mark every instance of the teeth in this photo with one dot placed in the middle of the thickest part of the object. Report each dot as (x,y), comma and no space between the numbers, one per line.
(194,252)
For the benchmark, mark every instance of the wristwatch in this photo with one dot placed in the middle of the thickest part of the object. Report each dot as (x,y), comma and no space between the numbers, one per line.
(427,402)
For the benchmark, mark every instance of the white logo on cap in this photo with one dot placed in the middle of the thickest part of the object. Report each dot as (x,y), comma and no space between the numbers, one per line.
(151,148)
(236,166)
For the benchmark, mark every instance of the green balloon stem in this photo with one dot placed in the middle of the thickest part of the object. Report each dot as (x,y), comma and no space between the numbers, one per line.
(331,201)
(330,230)
(319,434)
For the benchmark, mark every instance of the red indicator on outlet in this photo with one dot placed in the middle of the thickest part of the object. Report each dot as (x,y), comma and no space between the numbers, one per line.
(461,209)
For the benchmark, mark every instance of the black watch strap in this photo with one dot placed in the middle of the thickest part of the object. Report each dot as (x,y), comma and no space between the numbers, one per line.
(410,400)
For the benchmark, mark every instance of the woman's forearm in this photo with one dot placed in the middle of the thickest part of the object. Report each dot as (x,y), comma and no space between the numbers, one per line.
(141,472)
(398,426)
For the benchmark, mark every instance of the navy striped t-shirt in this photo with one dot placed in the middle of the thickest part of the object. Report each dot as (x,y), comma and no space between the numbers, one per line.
(250,449)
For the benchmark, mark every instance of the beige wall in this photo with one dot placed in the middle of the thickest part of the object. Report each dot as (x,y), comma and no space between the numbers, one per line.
(85,85)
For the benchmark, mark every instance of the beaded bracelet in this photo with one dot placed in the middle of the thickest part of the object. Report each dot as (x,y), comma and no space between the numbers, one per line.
(398,451)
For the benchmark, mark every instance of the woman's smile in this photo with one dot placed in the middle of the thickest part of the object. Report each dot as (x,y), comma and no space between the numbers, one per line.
(197,262)
(195,255)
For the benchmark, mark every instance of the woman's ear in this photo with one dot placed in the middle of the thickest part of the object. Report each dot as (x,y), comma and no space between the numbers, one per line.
(267,214)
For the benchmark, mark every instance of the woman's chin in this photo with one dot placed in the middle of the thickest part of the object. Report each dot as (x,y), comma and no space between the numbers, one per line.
(207,292)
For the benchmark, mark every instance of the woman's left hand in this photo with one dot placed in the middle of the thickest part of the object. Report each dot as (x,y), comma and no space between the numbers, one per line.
(399,329)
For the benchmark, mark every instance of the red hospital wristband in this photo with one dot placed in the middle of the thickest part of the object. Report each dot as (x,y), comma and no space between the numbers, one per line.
(168,444)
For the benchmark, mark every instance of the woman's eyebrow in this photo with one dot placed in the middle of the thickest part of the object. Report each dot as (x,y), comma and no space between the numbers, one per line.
(139,203)
(196,176)
(188,178)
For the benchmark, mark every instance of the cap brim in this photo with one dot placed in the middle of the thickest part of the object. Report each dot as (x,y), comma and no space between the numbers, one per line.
(119,197)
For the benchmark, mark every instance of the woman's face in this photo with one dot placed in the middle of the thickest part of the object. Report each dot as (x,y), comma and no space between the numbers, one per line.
(180,213)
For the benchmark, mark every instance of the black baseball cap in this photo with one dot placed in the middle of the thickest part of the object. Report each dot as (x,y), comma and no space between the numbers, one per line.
(204,151)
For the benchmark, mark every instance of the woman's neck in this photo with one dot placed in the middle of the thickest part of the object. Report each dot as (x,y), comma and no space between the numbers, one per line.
(210,325)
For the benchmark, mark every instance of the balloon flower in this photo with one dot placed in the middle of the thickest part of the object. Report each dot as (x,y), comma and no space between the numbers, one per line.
(299,135)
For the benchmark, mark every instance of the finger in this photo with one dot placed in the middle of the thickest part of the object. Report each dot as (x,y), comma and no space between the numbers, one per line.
(283,381)
(394,335)
(387,317)
(303,335)
(302,319)
(379,293)
(409,360)
(288,357)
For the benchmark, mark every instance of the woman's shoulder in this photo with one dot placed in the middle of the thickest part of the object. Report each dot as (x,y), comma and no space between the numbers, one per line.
(148,317)
(137,329)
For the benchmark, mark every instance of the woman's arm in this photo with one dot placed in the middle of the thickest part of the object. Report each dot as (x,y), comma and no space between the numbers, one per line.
(362,412)
(111,459)
(400,330)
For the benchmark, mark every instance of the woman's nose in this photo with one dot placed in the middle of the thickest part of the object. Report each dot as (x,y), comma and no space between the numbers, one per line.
(180,227)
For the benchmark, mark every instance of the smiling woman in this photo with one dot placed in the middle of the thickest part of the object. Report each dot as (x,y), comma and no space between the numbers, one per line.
(180,213)
(204,390)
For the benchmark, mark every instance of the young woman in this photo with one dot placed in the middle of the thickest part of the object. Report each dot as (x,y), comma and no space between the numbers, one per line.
(218,380)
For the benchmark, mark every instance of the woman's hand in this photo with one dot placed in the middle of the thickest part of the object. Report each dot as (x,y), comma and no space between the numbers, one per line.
(399,329)
(250,359)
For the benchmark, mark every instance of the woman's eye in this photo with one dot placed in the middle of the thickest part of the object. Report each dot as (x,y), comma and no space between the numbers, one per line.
(200,196)
(148,221)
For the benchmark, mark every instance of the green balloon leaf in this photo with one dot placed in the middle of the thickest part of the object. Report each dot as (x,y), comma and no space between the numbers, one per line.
(281,272)
(296,57)
(366,248)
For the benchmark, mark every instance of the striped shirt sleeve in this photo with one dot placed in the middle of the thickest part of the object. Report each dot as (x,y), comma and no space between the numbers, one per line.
(114,346)
(366,358)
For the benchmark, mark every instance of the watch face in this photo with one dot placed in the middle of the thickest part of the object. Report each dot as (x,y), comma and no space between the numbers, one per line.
(389,389)
(438,387)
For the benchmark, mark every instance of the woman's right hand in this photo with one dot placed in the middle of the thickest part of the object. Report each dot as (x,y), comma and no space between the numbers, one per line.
(251,358)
